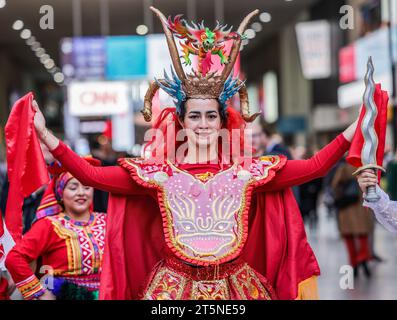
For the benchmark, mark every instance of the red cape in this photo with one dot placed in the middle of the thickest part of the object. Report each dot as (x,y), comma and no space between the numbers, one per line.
(276,246)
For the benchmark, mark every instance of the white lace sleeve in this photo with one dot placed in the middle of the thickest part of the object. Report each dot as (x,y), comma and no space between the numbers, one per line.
(384,209)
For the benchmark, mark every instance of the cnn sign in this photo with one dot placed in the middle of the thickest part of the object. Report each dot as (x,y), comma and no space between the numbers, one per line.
(97,98)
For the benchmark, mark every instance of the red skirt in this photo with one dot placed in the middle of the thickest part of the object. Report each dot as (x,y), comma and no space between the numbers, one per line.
(173,279)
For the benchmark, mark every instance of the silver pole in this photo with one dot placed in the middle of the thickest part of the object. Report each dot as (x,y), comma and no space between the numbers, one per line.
(148,15)
(219,10)
(104,17)
(77,20)
(191,10)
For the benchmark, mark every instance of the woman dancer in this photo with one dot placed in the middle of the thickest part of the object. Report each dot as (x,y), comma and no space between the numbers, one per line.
(68,240)
(193,221)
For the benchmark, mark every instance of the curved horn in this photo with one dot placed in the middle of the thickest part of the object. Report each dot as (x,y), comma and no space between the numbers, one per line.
(236,45)
(244,106)
(147,102)
(171,44)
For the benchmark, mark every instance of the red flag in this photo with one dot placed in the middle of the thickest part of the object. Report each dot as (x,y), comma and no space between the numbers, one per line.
(26,166)
(381,99)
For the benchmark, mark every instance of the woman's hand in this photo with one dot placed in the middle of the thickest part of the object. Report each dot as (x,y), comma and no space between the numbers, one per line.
(366,179)
(45,136)
(349,132)
(48,295)
(39,121)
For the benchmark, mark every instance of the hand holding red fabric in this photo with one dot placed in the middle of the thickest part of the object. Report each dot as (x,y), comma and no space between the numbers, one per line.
(381,99)
(26,166)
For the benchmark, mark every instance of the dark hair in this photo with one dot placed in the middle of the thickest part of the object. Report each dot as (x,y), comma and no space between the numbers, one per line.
(221,109)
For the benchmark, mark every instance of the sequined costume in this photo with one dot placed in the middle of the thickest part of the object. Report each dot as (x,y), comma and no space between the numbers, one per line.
(175,231)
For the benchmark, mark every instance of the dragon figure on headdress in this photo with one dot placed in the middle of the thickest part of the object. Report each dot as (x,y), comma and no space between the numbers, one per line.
(201,83)
(202,41)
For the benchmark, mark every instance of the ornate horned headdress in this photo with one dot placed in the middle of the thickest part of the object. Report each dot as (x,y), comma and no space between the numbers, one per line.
(201,84)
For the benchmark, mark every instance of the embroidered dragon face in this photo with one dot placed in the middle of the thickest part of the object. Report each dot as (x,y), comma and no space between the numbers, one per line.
(206,221)
(206,232)
(205,216)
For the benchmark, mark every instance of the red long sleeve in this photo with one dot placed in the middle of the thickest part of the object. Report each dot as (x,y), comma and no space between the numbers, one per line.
(112,179)
(117,180)
(32,245)
(36,241)
(297,172)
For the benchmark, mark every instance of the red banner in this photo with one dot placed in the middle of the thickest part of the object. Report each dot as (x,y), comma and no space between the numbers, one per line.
(26,166)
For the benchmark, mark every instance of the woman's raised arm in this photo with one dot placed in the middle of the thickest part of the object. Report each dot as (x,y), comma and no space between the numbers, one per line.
(113,179)
(297,172)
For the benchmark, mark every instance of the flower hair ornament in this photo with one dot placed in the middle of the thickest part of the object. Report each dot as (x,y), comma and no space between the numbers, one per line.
(200,84)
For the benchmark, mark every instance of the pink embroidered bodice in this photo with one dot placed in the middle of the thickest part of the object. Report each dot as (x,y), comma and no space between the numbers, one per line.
(205,220)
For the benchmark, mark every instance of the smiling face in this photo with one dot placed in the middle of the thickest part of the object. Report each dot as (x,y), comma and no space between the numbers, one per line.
(76,197)
(202,121)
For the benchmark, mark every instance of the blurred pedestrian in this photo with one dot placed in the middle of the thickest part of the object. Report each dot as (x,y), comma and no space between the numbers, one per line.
(266,141)
(329,193)
(355,222)
(391,178)
(101,148)
(258,139)
(308,196)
